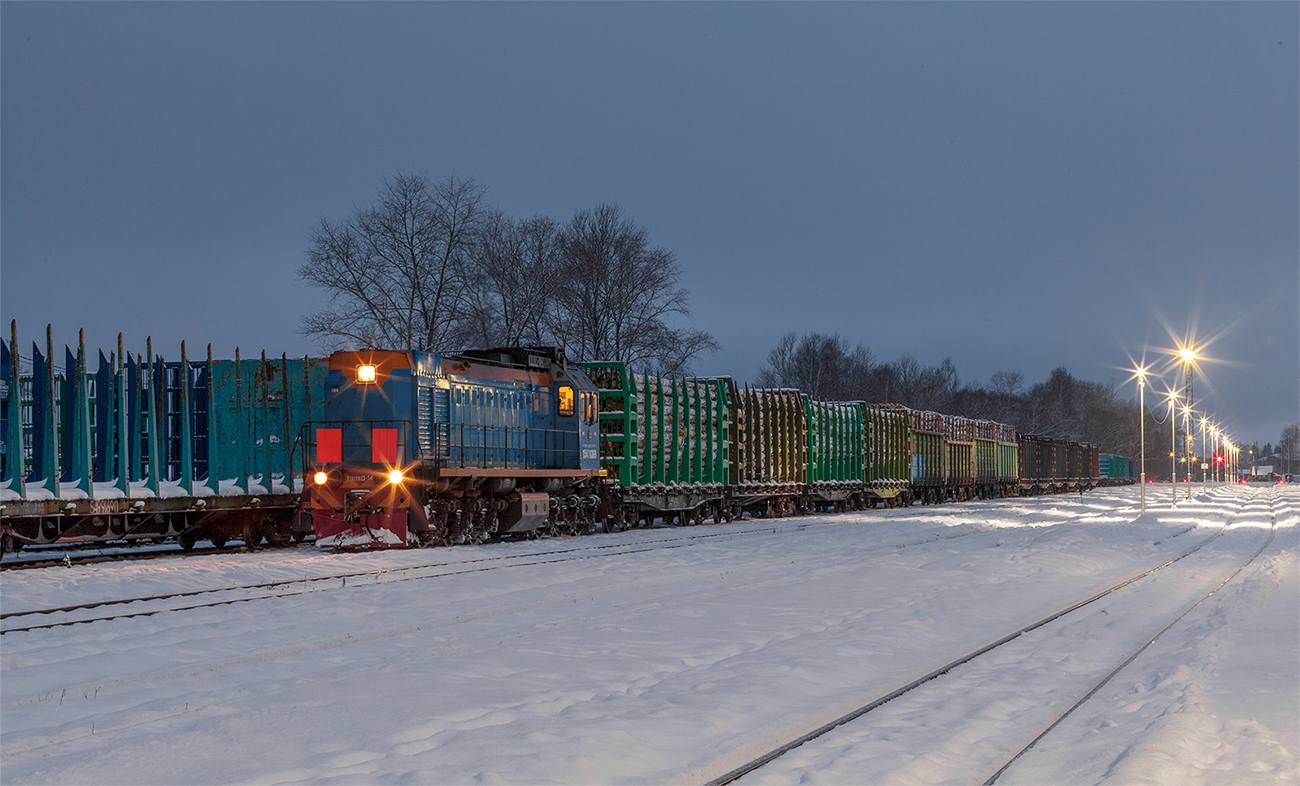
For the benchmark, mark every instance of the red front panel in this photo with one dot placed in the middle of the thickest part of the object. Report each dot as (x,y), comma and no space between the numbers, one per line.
(383,446)
(329,445)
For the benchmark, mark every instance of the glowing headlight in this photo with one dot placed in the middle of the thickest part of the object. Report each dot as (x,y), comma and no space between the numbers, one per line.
(365,373)
(320,478)
(395,476)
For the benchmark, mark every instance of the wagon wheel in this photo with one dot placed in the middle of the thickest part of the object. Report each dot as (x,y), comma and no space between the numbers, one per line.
(274,537)
(218,540)
(187,540)
(252,534)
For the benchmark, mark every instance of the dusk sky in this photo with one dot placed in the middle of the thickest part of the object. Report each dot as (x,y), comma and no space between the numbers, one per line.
(1015,186)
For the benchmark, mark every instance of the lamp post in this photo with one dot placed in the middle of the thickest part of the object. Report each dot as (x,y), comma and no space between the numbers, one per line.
(1187,449)
(1205,465)
(1173,446)
(1142,434)
(1188,356)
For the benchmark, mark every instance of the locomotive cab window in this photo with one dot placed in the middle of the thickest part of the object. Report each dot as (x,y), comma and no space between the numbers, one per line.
(566,402)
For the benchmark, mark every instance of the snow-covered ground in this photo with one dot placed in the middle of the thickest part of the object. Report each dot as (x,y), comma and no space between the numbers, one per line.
(676,655)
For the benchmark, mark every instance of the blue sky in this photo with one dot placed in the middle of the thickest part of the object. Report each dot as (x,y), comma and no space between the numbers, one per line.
(1017,186)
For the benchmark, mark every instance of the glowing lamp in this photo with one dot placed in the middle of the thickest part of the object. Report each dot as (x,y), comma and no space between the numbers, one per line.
(320,478)
(366,373)
(395,476)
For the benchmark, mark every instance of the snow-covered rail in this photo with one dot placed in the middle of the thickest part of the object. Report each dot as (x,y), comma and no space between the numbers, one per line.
(778,751)
(145,606)
(1127,661)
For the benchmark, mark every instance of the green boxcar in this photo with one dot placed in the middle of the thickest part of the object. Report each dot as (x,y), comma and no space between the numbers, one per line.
(959,470)
(1113,469)
(662,430)
(888,470)
(836,441)
(1008,462)
(771,439)
(927,459)
(986,462)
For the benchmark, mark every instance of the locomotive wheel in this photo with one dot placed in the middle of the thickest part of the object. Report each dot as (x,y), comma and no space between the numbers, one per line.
(187,540)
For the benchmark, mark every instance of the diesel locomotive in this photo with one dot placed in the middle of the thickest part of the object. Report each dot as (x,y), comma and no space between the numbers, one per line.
(422,448)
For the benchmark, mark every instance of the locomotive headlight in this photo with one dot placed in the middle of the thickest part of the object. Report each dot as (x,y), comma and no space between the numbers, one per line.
(320,478)
(366,373)
(395,476)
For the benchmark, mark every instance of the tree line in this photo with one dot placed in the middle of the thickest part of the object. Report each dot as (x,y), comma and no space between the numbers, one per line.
(430,265)
(1061,407)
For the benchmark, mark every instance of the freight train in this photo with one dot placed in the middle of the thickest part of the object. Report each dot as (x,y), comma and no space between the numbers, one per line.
(428,449)
(397,448)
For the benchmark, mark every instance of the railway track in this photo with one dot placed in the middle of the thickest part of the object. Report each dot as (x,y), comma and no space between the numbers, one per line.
(433,570)
(774,753)
(444,568)
(63,557)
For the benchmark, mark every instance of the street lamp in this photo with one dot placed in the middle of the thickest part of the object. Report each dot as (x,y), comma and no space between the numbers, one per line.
(1188,356)
(1205,465)
(1142,433)
(1187,449)
(1173,446)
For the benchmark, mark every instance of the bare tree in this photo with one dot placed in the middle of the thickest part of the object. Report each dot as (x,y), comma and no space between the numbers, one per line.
(1289,445)
(822,366)
(618,291)
(395,271)
(512,275)
(1006,383)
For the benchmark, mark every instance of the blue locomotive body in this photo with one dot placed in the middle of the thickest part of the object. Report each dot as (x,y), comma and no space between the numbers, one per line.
(421,447)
